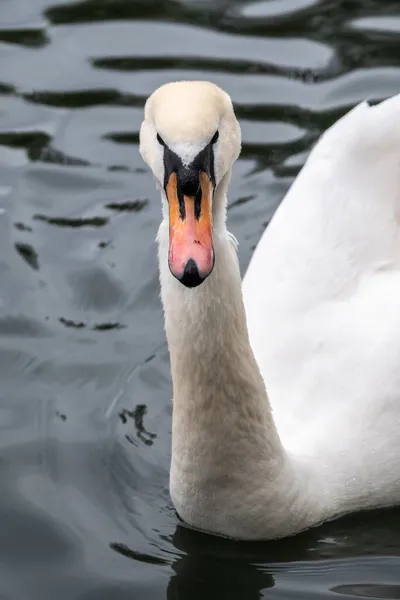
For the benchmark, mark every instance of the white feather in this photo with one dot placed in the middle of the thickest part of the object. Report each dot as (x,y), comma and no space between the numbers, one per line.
(322,302)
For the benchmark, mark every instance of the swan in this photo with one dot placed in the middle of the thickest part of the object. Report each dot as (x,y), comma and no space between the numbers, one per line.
(316,322)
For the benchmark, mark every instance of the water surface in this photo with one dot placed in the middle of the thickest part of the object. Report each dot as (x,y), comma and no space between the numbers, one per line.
(85,408)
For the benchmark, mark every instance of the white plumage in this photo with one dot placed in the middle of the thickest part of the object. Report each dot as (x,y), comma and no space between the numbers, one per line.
(322,302)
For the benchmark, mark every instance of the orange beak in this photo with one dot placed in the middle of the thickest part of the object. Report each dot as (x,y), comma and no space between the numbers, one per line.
(191,253)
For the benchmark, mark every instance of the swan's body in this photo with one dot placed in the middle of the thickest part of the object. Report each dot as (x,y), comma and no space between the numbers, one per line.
(322,299)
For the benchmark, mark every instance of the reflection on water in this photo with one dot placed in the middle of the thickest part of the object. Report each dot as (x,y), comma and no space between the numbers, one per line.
(85,398)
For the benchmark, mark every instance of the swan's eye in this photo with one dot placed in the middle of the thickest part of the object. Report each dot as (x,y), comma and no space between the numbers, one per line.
(215,137)
(160,140)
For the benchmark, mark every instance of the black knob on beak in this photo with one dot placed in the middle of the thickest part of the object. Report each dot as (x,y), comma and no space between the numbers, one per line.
(188,181)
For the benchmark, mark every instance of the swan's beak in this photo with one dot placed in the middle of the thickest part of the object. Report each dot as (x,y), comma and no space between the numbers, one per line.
(191,254)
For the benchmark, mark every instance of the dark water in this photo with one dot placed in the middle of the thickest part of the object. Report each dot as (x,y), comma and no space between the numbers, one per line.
(85,385)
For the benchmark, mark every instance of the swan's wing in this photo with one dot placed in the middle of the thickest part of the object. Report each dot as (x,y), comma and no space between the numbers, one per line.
(322,291)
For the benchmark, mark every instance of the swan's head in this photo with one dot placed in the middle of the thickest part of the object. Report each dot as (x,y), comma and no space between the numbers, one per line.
(189,138)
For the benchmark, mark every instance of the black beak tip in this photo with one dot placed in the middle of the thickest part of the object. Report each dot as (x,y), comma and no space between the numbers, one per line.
(191,277)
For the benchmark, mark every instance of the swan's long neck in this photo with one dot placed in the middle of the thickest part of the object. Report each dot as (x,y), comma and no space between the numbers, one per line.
(221,408)
(226,451)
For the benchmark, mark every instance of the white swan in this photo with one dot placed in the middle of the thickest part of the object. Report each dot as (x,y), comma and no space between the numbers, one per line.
(322,298)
